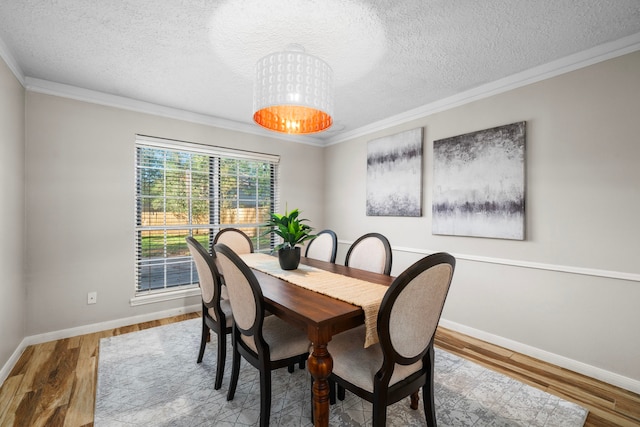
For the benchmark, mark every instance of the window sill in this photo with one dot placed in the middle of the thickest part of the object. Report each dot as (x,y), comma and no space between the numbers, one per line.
(164,296)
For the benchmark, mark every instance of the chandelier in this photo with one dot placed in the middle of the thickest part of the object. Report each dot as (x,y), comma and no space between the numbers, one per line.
(293,92)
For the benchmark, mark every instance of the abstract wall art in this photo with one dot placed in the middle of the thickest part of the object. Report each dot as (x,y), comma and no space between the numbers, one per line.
(479,183)
(394,175)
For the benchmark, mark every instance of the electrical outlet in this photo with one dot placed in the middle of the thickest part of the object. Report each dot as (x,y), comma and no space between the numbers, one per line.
(92,297)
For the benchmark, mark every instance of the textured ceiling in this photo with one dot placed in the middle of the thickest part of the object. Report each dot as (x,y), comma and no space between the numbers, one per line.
(389,56)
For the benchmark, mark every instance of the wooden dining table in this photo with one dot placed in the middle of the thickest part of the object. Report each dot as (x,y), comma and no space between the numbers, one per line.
(321,316)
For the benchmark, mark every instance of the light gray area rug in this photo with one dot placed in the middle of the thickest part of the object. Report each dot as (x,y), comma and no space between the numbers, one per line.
(151,378)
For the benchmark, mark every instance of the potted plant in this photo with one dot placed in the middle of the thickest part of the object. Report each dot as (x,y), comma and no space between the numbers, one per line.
(293,232)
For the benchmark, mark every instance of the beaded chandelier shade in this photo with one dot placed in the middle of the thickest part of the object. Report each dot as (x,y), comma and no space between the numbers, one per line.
(293,92)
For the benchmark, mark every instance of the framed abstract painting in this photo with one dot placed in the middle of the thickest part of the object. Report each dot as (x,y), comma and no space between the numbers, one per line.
(479,184)
(394,175)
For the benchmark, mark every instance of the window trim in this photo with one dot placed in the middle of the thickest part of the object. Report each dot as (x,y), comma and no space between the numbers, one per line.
(211,150)
(162,296)
(186,291)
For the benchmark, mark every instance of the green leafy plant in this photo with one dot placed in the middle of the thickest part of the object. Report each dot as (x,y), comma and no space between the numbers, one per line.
(290,228)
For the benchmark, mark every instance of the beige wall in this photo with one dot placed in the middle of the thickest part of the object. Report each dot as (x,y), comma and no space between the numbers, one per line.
(80,204)
(582,206)
(13,291)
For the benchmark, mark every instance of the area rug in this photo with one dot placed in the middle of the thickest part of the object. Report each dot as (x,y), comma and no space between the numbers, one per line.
(151,378)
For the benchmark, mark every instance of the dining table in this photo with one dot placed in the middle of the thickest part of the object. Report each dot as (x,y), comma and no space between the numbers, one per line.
(321,316)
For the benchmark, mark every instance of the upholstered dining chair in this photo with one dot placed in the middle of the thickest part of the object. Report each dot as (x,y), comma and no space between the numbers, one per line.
(236,239)
(403,361)
(324,247)
(267,343)
(371,252)
(216,312)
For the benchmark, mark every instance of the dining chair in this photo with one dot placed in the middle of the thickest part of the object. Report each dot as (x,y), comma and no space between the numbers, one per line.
(216,312)
(403,360)
(371,252)
(267,343)
(236,239)
(324,247)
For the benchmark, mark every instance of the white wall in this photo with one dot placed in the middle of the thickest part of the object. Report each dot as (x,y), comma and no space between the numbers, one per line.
(13,291)
(80,204)
(582,207)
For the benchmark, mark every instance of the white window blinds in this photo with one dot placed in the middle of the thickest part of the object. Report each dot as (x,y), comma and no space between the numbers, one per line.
(185,189)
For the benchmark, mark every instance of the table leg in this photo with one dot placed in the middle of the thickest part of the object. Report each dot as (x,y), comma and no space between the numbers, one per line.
(320,367)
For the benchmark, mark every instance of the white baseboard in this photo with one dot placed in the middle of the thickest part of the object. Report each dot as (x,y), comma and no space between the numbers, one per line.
(561,361)
(555,359)
(6,369)
(88,329)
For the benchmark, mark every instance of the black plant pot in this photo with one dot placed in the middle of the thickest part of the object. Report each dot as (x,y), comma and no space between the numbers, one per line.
(289,258)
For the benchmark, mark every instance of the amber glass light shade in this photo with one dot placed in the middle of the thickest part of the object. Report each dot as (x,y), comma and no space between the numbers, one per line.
(293,92)
(293,119)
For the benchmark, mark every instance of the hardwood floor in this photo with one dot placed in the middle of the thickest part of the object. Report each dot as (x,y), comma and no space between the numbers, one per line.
(53,384)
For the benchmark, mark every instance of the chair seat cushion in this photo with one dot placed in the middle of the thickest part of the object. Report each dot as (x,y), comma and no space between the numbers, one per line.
(226,309)
(284,340)
(358,365)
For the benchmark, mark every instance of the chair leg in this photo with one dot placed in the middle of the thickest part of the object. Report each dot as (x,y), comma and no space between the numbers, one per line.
(301,364)
(340,392)
(291,368)
(222,356)
(428,400)
(429,405)
(235,372)
(415,399)
(265,397)
(312,419)
(203,340)
(379,415)
(332,392)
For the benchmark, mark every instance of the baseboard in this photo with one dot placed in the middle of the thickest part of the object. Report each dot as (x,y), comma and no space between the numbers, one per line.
(555,359)
(561,361)
(89,329)
(6,369)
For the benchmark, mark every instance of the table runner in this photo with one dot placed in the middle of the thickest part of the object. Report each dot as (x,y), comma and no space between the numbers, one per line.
(348,289)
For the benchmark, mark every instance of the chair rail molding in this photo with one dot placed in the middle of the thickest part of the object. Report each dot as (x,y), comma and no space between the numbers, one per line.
(608,274)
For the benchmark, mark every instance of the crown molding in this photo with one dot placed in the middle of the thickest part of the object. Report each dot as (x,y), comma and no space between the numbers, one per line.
(95,97)
(564,65)
(11,62)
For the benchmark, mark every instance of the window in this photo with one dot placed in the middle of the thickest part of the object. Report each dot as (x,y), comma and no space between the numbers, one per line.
(195,190)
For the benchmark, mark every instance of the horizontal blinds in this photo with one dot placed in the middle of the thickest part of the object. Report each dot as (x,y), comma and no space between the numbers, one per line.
(195,190)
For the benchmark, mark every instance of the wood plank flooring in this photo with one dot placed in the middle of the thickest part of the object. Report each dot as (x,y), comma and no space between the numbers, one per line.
(54,383)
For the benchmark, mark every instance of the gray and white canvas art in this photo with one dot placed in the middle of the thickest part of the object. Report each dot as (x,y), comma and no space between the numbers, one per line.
(479,183)
(394,175)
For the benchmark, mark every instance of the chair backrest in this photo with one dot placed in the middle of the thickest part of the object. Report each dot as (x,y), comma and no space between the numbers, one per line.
(236,239)
(208,275)
(324,247)
(411,309)
(245,296)
(371,252)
